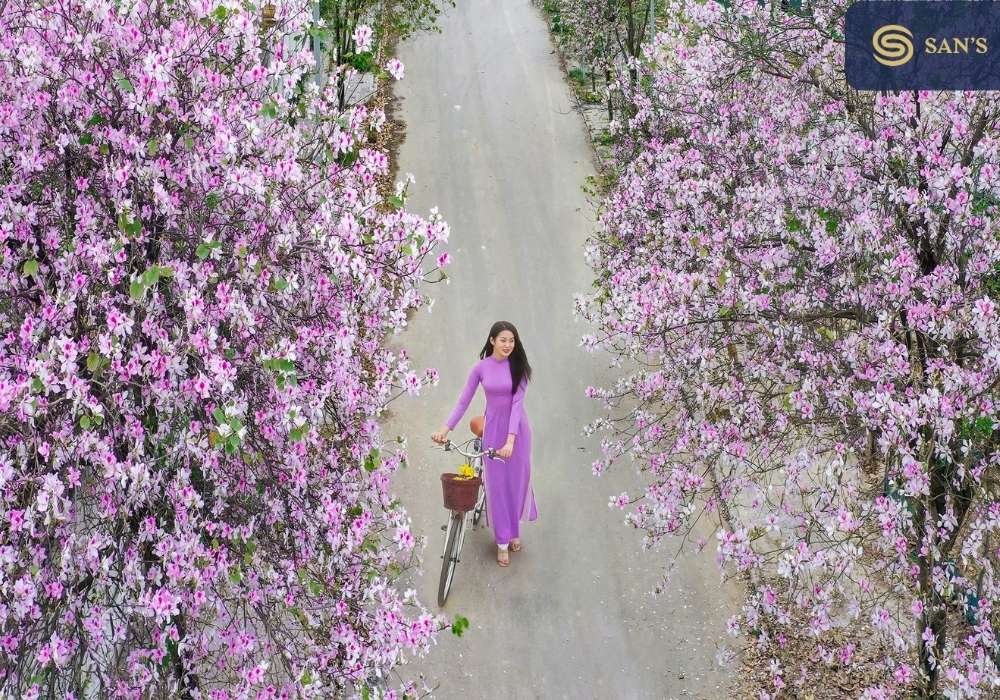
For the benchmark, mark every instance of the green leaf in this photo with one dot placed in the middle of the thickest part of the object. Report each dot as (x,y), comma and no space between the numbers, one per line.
(983,201)
(136,290)
(459,625)
(151,276)
(348,159)
(36,384)
(321,33)
(95,120)
(219,415)
(235,575)
(164,271)
(172,656)
(98,420)
(202,251)
(212,200)
(299,615)
(93,361)
(124,83)
(152,146)
(395,201)
(285,365)
(365,693)
(279,284)
(362,61)
(104,149)
(86,138)
(30,267)
(269,109)
(306,678)
(85,422)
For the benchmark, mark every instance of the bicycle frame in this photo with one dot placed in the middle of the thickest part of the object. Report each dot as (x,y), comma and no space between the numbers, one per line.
(455,529)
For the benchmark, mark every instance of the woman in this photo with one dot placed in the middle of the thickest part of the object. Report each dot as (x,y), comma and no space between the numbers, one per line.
(504,372)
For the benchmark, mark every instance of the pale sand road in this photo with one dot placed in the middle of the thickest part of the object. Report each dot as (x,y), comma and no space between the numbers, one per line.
(493,142)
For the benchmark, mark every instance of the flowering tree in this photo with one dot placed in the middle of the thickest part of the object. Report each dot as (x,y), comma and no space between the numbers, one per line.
(604,35)
(197,279)
(355,32)
(805,280)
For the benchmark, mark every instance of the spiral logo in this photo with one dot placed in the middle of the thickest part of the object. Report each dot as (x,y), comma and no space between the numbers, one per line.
(893,45)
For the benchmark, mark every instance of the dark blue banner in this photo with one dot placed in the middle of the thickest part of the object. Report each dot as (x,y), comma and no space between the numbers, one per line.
(923,45)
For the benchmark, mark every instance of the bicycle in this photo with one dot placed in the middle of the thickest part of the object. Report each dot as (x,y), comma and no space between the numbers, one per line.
(455,528)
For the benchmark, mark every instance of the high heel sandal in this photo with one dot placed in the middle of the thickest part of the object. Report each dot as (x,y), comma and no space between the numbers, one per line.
(503,557)
(515,545)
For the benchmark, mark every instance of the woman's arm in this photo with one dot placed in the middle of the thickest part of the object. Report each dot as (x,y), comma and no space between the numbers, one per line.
(471,384)
(516,410)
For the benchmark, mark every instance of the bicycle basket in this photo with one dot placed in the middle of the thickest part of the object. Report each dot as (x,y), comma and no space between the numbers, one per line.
(460,494)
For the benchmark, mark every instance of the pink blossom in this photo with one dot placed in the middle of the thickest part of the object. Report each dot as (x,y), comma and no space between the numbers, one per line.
(363,37)
(395,68)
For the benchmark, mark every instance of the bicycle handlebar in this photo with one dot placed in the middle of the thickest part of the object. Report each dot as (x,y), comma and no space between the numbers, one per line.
(450,446)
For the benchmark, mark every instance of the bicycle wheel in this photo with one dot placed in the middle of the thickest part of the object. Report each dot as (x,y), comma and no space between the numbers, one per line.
(452,547)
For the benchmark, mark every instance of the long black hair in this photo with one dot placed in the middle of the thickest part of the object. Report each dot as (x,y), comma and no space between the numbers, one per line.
(519,367)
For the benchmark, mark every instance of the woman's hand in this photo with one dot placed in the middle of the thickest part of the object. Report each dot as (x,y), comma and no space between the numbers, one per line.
(441,435)
(507,450)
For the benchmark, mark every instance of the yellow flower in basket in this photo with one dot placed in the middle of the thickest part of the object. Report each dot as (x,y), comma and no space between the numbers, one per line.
(466,471)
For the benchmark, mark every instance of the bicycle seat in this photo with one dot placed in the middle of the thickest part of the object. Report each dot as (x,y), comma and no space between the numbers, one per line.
(476,425)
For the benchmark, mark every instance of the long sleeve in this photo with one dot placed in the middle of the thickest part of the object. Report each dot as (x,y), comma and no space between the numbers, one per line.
(516,406)
(471,384)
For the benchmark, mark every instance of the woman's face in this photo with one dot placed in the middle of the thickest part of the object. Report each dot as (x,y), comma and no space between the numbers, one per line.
(504,343)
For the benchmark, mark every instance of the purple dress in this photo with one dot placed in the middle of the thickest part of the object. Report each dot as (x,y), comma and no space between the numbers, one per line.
(509,496)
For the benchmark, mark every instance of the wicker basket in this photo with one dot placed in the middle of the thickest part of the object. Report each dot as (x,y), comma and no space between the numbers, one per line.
(459,493)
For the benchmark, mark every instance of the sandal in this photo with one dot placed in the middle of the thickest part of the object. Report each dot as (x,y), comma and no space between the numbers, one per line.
(515,545)
(503,557)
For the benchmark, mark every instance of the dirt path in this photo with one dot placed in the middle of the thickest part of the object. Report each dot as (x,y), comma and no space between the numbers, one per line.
(494,143)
